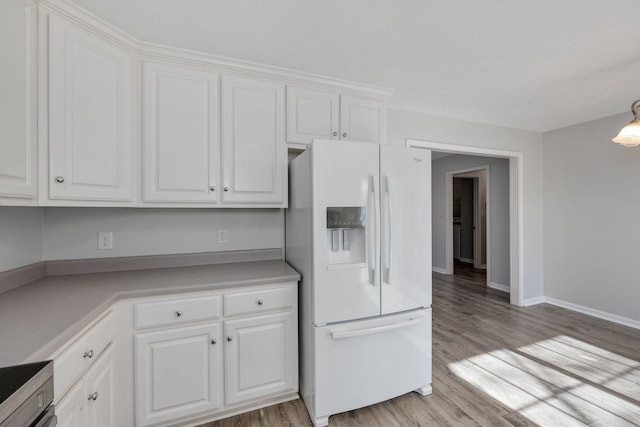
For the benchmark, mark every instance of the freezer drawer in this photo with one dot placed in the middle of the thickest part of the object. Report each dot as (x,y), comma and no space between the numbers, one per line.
(364,362)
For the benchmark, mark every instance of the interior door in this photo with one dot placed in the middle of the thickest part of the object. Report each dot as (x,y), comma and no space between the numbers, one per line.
(405,193)
(346,277)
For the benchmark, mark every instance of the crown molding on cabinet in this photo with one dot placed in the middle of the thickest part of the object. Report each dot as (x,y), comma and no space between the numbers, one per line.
(152,51)
(91,23)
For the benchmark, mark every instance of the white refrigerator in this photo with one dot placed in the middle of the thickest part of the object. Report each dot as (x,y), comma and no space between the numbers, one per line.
(358,229)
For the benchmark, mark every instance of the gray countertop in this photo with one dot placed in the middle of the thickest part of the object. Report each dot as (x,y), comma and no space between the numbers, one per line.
(38,318)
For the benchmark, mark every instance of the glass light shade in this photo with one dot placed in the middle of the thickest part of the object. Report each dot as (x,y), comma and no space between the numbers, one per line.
(629,136)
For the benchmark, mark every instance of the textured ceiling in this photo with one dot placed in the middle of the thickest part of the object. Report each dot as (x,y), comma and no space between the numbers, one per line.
(528,64)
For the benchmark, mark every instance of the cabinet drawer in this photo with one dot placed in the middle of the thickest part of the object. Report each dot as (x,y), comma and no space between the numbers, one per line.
(176,311)
(79,355)
(258,301)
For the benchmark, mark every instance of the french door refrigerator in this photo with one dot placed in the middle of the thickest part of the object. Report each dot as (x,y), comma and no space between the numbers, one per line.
(358,229)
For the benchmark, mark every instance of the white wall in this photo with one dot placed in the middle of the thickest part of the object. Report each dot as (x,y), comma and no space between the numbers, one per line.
(72,232)
(499,211)
(20,236)
(403,125)
(592,218)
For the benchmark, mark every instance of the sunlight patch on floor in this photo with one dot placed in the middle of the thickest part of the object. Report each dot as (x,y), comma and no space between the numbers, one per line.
(559,382)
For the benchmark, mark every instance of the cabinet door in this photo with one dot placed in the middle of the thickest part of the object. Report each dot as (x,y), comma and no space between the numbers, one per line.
(180,134)
(99,391)
(312,114)
(18,99)
(253,141)
(260,356)
(178,373)
(362,120)
(71,411)
(90,141)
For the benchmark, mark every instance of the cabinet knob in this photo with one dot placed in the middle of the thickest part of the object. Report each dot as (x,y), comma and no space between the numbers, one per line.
(260,302)
(178,313)
(226,188)
(60,179)
(229,338)
(214,341)
(344,135)
(88,354)
(93,396)
(212,188)
(335,134)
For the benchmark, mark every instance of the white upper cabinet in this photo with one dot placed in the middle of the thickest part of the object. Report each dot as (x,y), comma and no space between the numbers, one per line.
(312,114)
(362,119)
(317,114)
(18,100)
(253,141)
(122,122)
(90,144)
(181,146)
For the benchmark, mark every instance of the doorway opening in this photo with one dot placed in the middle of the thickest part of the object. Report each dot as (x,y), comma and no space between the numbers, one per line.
(514,217)
(467,192)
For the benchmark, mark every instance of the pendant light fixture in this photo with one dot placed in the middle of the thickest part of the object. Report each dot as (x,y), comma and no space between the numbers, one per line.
(629,136)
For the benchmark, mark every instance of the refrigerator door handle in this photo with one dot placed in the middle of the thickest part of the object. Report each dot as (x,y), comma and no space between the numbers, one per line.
(388,246)
(340,333)
(372,242)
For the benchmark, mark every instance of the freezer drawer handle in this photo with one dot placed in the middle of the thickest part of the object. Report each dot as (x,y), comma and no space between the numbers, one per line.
(337,334)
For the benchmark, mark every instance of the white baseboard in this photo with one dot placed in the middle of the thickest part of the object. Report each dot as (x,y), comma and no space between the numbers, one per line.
(467,260)
(438,270)
(499,287)
(593,312)
(533,301)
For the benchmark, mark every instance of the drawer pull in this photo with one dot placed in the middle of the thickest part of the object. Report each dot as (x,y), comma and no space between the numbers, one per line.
(93,396)
(229,338)
(214,341)
(178,313)
(260,302)
(88,354)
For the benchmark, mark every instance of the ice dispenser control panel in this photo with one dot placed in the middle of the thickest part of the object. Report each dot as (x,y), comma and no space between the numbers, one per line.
(346,234)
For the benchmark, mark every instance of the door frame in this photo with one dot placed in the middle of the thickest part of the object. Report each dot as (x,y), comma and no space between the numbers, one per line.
(516,203)
(448,216)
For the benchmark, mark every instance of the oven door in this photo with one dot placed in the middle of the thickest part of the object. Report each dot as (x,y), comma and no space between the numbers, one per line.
(48,419)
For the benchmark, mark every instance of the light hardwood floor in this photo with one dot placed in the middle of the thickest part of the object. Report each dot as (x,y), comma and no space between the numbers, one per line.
(499,365)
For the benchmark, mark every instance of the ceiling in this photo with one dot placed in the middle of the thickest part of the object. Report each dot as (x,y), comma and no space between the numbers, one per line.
(535,65)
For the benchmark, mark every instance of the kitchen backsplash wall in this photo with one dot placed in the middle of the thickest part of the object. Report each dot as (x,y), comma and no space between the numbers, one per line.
(20,236)
(72,233)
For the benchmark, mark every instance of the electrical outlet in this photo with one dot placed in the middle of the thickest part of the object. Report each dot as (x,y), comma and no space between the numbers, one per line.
(105,240)
(222,236)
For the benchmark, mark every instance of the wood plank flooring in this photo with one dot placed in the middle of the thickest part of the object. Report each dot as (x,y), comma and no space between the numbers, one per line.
(499,365)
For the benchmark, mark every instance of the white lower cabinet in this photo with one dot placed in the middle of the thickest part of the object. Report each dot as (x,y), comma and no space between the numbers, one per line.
(90,402)
(84,376)
(178,372)
(187,370)
(259,356)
